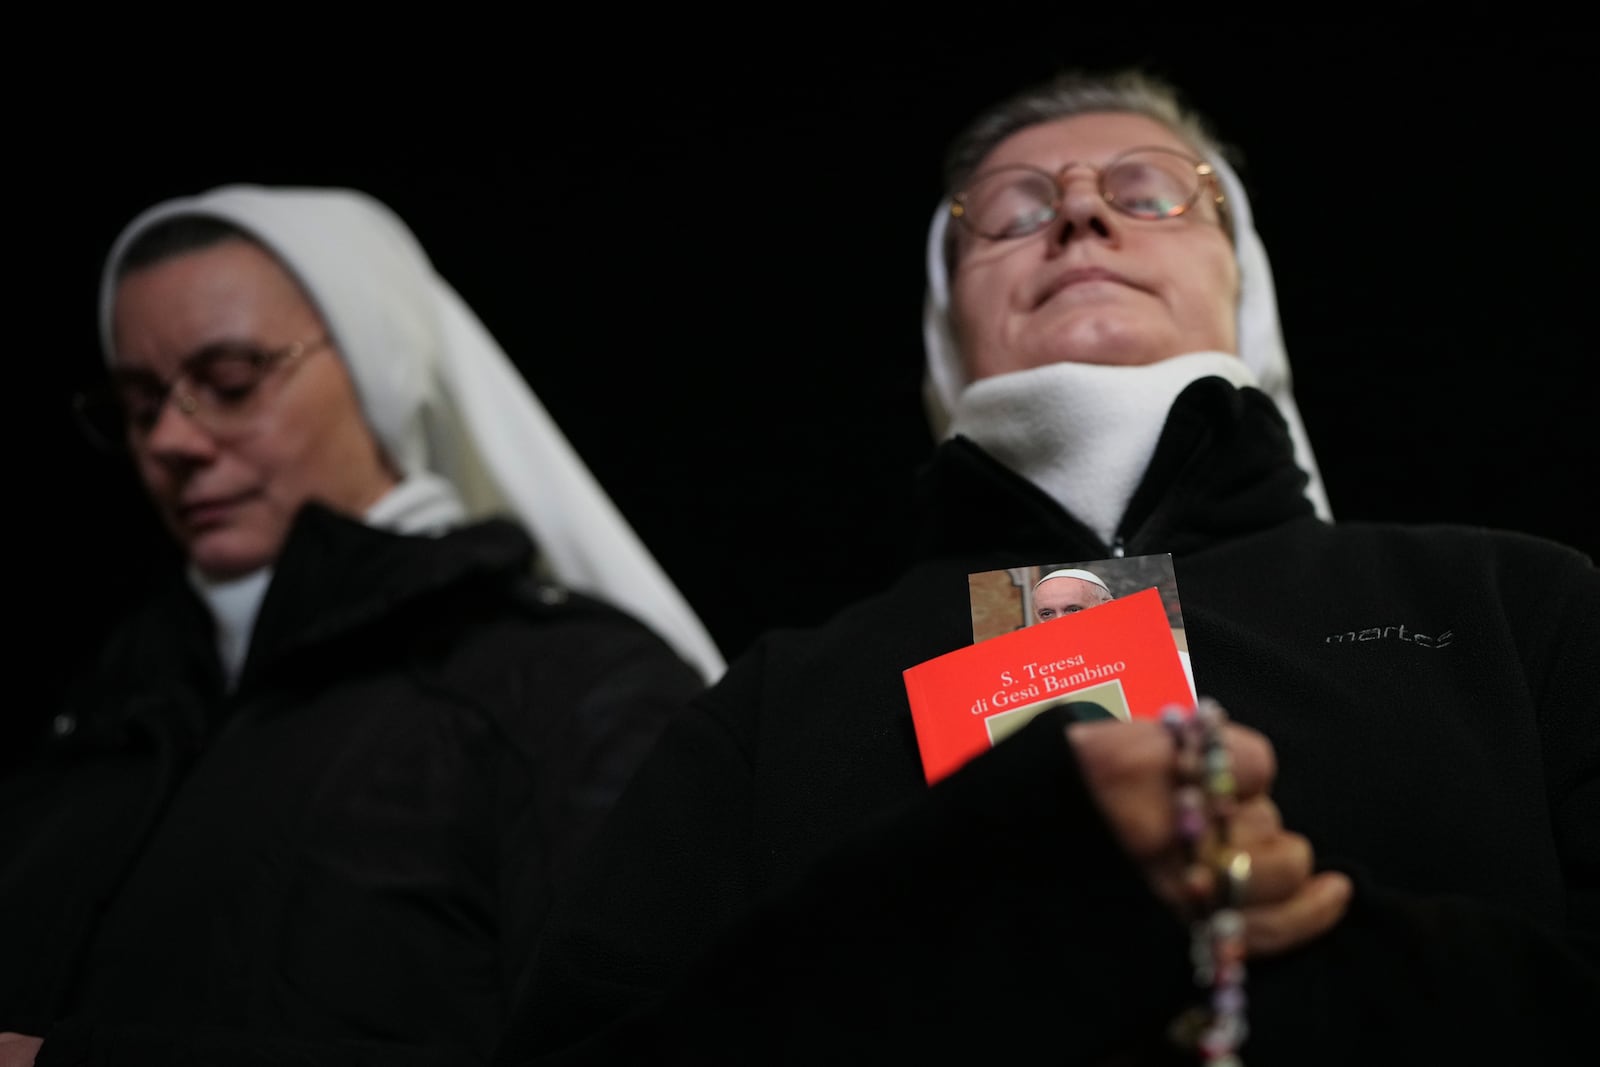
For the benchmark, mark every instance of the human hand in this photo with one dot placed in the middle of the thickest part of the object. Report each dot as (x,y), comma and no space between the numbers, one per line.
(1131,769)
(18,1050)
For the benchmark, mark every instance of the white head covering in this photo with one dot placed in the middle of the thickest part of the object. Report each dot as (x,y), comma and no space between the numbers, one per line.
(440,394)
(1261,347)
(1074,572)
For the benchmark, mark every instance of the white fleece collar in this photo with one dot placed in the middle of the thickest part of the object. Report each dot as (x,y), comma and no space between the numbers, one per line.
(1084,432)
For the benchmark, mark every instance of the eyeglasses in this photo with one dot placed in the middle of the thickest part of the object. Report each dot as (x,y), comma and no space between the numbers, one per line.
(218,387)
(1151,183)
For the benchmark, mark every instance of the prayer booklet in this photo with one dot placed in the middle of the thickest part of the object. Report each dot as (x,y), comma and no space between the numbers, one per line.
(1120,659)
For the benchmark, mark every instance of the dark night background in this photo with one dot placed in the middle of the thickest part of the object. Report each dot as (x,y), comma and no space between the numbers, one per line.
(702,243)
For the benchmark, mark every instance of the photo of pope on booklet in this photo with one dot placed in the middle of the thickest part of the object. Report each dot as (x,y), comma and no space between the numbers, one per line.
(1102,639)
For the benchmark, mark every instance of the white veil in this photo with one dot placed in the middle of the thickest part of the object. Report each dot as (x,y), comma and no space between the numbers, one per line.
(1261,345)
(439,392)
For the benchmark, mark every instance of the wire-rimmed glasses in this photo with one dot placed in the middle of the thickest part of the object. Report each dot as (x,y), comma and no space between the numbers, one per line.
(1148,182)
(218,387)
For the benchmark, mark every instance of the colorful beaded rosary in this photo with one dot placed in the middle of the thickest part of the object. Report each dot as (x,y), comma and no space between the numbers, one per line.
(1215,878)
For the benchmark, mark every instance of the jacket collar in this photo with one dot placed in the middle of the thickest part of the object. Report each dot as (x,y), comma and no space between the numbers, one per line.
(337,575)
(1223,467)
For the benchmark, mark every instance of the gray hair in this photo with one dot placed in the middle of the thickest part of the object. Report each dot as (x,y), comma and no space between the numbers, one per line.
(1076,92)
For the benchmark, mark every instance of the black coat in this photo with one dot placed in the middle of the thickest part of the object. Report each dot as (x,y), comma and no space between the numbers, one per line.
(358,845)
(779,885)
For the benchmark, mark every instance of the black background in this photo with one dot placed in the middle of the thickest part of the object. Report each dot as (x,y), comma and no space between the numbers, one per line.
(702,243)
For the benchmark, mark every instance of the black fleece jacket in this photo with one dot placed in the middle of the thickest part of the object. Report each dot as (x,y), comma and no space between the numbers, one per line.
(348,858)
(779,884)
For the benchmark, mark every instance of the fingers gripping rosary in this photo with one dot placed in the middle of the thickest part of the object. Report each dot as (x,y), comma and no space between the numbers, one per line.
(1215,878)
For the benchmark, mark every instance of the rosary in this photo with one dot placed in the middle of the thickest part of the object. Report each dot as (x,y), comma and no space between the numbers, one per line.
(1215,878)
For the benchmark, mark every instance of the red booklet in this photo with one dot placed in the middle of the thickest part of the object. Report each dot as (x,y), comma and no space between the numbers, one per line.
(1117,660)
